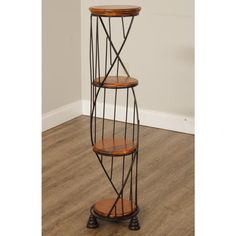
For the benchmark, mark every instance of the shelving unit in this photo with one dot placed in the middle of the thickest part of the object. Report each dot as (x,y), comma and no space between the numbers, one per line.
(117,152)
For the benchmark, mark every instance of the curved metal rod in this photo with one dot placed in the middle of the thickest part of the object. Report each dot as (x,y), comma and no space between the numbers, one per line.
(136,182)
(137,113)
(91,61)
(136,104)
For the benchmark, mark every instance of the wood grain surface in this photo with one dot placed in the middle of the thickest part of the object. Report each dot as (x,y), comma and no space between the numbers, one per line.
(73,181)
(103,207)
(116,82)
(114,147)
(115,10)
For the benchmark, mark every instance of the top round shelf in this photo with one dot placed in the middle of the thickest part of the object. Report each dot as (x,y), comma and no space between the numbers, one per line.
(115,10)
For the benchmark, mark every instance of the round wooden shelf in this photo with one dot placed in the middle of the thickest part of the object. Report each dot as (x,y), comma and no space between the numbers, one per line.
(104,206)
(116,82)
(115,10)
(114,147)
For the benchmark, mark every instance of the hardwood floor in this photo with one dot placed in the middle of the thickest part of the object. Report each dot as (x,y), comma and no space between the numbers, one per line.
(73,180)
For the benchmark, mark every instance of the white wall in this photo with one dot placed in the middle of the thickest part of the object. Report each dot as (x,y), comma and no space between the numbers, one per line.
(61,61)
(159,53)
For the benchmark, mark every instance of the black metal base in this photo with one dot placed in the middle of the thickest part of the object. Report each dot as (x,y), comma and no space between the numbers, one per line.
(134,223)
(92,222)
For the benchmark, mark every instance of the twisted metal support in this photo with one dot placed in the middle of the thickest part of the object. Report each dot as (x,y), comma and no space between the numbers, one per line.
(95,73)
(95,96)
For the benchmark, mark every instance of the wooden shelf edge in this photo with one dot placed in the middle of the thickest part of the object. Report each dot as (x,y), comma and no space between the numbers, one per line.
(116,82)
(115,10)
(114,147)
(103,207)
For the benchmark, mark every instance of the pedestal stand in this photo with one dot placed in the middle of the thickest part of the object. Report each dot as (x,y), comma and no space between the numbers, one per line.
(116,150)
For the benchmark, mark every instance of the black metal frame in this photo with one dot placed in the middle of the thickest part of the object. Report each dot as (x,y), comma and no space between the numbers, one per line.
(95,73)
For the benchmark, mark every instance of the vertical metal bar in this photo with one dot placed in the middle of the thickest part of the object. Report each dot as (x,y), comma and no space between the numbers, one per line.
(126,113)
(92,75)
(106,56)
(115,211)
(95,77)
(136,177)
(91,115)
(122,194)
(114,118)
(91,49)
(123,26)
(91,96)
(131,184)
(90,64)
(109,20)
(136,105)
(138,127)
(111,167)
(134,121)
(99,74)
(117,70)
(136,181)
(97,50)
(95,117)
(103,116)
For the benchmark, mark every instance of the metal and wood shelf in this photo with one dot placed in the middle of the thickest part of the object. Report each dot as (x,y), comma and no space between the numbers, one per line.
(116,152)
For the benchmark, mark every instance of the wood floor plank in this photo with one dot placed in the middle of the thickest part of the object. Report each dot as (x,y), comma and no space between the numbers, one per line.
(73,180)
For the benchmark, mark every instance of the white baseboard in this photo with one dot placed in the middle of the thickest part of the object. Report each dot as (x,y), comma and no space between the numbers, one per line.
(150,118)
(61,115)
